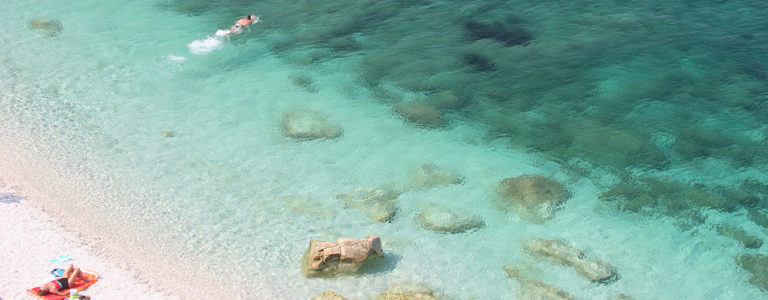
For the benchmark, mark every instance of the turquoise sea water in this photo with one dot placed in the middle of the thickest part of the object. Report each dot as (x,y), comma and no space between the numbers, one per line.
(652,114)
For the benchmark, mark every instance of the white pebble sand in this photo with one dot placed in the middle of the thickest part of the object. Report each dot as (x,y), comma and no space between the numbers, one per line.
(30,238)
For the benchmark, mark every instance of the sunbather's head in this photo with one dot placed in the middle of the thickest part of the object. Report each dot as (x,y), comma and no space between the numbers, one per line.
(43,290)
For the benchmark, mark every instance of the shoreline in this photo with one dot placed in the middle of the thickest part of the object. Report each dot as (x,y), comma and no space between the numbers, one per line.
(32,192)
(32,237)
(36,230)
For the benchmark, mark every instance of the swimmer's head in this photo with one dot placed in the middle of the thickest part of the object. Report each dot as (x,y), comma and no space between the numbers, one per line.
(251,17)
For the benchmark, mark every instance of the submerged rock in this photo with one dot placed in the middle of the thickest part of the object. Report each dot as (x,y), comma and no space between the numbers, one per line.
(618,148)
(307,124)
(328,295)
(533,197)
(741,235)
(448,220)
(304,205)
(50,27)
(407,291)
(168,133)
(344,256)
(757,264)
(419,114)
(445,100)
(758,216)
(522,271)
(430,175)
(537,290)
(677,198)
(552,250)
(304,82)
(379,204)
(560,252)
(533,288)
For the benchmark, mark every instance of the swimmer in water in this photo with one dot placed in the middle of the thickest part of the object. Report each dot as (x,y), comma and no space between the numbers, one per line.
(238,27)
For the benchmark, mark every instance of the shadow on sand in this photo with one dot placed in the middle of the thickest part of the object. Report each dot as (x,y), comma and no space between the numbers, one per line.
(8,198)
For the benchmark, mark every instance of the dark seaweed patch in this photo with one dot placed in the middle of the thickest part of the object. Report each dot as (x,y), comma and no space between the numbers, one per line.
(478,62)
(509,35)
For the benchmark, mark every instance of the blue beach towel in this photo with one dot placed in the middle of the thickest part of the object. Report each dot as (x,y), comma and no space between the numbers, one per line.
(61,258)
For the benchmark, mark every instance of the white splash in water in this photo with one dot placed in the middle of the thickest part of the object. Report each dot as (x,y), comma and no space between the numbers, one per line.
(175,58)
(205,46)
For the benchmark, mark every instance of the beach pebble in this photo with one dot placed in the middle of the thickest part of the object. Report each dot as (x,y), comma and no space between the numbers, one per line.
(344,256)
(533,197)
(448,220)
(308,125)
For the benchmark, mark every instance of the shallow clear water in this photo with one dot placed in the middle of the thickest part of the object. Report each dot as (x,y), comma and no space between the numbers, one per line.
(175,138)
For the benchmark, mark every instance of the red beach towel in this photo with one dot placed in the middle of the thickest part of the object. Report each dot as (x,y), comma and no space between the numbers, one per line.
(79,285)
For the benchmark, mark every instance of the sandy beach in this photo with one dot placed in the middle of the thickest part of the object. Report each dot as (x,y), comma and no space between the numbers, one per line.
(183,165)
(31,238)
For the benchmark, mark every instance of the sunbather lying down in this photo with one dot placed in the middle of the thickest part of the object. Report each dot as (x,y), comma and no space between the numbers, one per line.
(59,285)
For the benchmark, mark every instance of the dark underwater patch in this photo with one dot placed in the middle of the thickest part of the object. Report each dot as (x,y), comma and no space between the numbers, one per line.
(507,34)
(478,62)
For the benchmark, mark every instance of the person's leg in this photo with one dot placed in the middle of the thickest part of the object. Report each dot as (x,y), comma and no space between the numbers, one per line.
(73,277)
(68,271)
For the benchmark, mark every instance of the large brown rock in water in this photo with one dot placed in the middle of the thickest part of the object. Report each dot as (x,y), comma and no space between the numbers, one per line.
(562,253)
(344,256)
(532,197)
(308,125)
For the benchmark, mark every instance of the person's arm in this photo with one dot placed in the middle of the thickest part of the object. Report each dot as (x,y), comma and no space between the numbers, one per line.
(60,293)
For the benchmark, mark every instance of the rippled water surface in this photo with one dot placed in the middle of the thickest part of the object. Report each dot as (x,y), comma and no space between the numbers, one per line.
(651,114)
